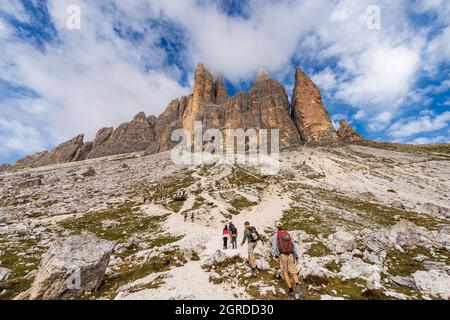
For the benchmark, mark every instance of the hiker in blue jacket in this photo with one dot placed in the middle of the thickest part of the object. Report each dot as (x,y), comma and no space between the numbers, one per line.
(285,252)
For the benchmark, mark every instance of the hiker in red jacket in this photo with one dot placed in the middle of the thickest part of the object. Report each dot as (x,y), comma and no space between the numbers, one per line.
(225,235)
(284,250)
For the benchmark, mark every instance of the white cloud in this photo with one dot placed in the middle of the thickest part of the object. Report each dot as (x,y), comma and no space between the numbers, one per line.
(90,79)
(384,76)
(93,77)
(326,79)
(238,47)
(430,140)
(380,121)
(423,124)
(14,8)
(19,136)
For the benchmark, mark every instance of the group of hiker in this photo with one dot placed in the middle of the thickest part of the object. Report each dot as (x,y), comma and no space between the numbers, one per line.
(186,216)
(284,251)
(230,232)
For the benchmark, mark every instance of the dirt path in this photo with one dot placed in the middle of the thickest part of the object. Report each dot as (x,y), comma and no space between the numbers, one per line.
(191,281)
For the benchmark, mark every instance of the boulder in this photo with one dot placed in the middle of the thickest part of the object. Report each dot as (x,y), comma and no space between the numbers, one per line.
(403,282)
(403,235)
(30,183)
(406,234)
(398,205)
(437,210)
(72,267)
(263,264)
(434,282)
(218,257)
(88,173)
(313,266)
(4,274)
(342,241)
(356,268)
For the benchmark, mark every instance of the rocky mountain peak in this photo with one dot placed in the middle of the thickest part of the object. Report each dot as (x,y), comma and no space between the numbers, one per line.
(347,133)
(262,75)
(203,85)
(220,90)
(309,112)
(266,106)
(140,117)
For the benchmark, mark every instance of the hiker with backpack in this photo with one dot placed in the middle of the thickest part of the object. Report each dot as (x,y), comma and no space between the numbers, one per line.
(251,236)
(234,234)
(284,250)
(225,235)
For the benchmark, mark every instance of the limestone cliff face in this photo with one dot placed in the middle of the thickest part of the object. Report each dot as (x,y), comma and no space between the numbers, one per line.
(309,112)
(167,122)
(73,150)
(265,106)
(128,137)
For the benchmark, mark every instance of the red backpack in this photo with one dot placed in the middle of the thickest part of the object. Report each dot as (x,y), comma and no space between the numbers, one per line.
(284,241)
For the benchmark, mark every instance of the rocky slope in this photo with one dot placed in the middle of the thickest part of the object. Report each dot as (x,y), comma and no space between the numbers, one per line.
(265,106)
(370,222)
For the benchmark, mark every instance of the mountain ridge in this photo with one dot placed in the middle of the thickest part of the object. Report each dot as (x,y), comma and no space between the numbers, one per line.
(305,121)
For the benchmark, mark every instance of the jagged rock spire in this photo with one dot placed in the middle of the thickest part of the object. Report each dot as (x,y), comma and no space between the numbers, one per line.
(220,90)
(309,112)
(266,106)
(203,85)
(347,133)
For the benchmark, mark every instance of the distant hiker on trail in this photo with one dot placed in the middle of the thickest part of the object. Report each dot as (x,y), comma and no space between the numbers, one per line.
(192,217)
(233,234)
(225,235)
(284,250)
(185,216)
(252,237)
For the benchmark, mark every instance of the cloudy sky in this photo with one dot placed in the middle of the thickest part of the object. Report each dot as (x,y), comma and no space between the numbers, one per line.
(388,73)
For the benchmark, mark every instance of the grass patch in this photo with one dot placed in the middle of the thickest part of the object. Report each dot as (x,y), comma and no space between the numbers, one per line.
(20,265)
(240,203)
(171,185)
(176,204)
(127,215)
(364,211)
(318,249)
(333,266)
(350,289)
(403,264)
(199,202)
(297,218)
(242,177)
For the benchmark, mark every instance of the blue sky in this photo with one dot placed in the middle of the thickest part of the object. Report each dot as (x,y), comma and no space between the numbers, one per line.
(391,82)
